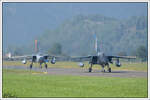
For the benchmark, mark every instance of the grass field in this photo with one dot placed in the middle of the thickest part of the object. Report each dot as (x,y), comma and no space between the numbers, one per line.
(125,65)
(21,83)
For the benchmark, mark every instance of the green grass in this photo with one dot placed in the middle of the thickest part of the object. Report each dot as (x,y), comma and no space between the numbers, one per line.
(125,65)
(22,83)
(132,66)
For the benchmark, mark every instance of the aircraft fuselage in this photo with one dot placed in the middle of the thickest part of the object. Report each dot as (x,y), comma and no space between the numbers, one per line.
(100,59)
(38,59)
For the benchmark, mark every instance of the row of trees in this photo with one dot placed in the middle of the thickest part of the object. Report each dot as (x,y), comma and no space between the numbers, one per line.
(141,52)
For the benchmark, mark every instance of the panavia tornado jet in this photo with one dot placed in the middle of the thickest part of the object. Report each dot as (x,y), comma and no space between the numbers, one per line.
(37,58)
(101,59)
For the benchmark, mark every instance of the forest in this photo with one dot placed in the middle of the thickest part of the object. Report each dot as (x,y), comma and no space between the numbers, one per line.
(75,37)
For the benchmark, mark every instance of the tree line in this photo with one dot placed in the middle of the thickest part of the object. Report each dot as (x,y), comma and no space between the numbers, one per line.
(115,37)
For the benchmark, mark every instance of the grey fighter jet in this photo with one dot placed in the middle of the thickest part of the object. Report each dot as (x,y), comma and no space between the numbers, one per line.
(37,58)
(101,59)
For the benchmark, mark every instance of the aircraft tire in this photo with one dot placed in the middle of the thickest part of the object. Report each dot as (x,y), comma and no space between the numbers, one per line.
(109,69)
(30,66)
(41,66)
(46,66)
(90,69)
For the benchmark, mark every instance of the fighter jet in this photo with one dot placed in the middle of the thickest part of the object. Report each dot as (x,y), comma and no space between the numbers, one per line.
(101,59)
(37,58)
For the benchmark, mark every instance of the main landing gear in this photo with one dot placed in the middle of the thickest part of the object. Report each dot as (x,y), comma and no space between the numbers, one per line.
(31,65)
(46,66)
(103,70)
(90,69)
(109,70)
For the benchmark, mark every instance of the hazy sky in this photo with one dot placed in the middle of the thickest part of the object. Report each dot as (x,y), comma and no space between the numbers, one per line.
(22,22)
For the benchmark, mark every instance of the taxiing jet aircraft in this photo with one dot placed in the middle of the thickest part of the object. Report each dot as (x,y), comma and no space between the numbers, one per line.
(37,58)
(100,59)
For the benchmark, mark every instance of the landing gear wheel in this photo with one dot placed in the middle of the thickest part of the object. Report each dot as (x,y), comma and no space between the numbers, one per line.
(41,66)
(104,70)
(46,66)
(109,69)
(30,66)
(90,69)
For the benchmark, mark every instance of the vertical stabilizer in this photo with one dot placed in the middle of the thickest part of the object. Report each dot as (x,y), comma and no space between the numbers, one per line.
(36,47)
(96,49)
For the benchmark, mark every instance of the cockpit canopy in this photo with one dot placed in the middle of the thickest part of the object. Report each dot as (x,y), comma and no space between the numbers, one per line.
(101,54)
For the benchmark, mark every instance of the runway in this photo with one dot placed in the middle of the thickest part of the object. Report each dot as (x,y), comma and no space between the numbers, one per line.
(83,72)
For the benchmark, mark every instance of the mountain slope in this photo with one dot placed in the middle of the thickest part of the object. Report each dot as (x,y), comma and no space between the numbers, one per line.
(114,36)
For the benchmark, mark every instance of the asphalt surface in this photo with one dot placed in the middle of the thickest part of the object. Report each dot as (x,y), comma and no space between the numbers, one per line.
(83,72)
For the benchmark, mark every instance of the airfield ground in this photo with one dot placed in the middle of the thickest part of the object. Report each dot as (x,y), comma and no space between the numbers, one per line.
(82,72)
(71,81)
